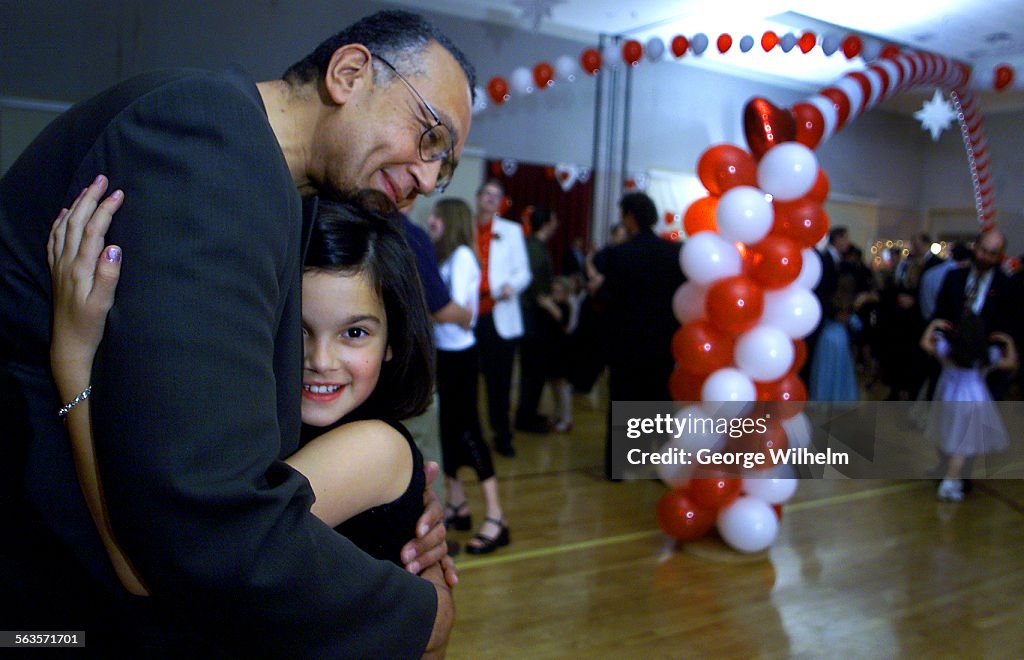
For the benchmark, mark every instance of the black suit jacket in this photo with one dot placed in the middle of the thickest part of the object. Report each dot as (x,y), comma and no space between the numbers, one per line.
(641,277)
(998,311)
(195,392)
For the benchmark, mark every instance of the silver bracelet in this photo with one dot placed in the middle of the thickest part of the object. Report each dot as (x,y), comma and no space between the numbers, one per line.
(82,396)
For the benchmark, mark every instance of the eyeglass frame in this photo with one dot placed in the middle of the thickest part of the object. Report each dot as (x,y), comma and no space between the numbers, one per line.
(447,157)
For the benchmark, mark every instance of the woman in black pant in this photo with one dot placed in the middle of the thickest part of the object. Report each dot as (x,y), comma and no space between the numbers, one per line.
(462,443)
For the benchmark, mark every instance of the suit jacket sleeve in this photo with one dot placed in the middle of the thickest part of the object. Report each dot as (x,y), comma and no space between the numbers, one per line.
(186,400)
(519,275)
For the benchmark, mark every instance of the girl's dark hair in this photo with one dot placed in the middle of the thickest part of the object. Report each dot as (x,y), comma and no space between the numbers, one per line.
(539,217)
(968,342)
(362,235)
(458,227)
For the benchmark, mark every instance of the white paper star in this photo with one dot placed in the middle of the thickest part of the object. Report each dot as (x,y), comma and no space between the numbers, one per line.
(534,11)
(936,115)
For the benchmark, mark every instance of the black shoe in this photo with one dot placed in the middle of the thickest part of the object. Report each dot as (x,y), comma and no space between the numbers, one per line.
(506,449)
(460,521)
(490,544)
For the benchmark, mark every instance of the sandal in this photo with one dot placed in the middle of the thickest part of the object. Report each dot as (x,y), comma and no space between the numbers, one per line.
(460,521)
(489,543)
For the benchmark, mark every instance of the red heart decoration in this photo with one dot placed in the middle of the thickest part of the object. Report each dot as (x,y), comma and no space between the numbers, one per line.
(766,125)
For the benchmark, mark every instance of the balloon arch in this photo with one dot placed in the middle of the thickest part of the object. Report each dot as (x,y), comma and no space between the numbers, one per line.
(751,265)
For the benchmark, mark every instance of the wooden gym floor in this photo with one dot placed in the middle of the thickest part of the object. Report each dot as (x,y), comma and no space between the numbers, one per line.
(860,569)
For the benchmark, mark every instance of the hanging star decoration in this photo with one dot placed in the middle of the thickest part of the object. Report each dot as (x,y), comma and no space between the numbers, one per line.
(534,11)
(936,115)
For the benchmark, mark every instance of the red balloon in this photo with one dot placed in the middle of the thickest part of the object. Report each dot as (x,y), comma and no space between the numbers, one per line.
(840,101)
(1004,76)
(734,304)
(806,42)
(632,51)
(802,220)
(765,126)
(810,124)
(819,191)
(684,386)
(769,40)
(890,51)
(787,394)
(543,75)
(590,59)
(700,216)
(799,355)
(852,46)
(774,261)
(714,493)
(724,43)
(679,45)
(699,348)
(755,442)
(680,517)
(726,166)
(497,89)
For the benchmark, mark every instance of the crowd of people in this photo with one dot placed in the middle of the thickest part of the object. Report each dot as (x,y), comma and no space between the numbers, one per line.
(927,328)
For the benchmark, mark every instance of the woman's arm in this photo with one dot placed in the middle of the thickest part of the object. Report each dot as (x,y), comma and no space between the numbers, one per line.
(83,291)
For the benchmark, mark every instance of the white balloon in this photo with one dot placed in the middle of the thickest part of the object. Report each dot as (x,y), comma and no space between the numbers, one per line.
(707,257)
(787,171)
(728,384)
(748,524)
(611,55)
(699,43)
(691,416)
(792,309)
(830,44)
(480,99)
(810,272)
(798,430)
(746,43)
(521,81)
(870,50)
(764,353)
(787,42)
(745,213)
(654,49)
(772,491)
(688,302)
(566,68)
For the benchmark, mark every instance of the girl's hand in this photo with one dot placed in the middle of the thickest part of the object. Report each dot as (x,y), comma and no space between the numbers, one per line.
(1008,358)
(85,275)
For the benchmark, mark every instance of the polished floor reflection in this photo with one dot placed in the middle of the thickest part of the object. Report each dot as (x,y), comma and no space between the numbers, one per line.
(863,569)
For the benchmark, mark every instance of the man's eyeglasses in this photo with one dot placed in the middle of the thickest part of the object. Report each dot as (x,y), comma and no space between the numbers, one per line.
(436,142)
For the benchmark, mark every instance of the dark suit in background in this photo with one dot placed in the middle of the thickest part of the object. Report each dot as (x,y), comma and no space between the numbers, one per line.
(195,396)
(641,276)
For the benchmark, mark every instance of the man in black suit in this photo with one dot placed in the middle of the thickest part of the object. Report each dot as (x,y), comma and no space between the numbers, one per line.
(983,289)
(196,387)
(640,277)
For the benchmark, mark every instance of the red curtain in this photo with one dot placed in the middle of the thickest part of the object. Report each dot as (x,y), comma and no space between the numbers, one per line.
(536,185)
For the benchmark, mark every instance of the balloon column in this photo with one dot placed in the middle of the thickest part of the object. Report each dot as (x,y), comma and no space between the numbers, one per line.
(751,266)
(745,309)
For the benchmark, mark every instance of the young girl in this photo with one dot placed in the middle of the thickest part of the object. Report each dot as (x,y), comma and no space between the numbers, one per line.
(963,418)
(462,440)
(367,362)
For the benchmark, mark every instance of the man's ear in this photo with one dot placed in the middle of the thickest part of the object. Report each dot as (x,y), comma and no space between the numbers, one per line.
(349,67)
(387,354)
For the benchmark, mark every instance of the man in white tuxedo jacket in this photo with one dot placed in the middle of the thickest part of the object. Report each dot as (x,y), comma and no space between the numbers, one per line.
(502,252)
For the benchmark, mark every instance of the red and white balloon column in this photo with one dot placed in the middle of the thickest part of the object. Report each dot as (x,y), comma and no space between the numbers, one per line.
(745,309)
(751,267)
